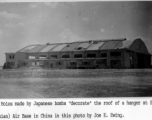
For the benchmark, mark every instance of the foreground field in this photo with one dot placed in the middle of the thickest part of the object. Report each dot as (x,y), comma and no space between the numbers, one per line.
(39,83)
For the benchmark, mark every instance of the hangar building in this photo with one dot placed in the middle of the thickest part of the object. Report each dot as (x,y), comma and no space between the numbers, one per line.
(91,54)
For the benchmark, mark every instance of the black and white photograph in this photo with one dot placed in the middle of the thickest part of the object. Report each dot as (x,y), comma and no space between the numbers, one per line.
(80,49)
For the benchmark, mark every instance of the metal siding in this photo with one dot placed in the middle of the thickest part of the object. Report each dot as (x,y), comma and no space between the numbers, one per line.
(58,48)
(37,48)
(48,48)
(109,45)
(95,46)
(71,47)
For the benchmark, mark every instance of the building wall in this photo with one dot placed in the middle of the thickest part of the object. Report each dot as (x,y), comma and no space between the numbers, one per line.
(10,60)
(127,58)
(136,60)
(21,59)
(43,54)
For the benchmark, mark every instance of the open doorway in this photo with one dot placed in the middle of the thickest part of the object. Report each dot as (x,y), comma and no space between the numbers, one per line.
(141,60)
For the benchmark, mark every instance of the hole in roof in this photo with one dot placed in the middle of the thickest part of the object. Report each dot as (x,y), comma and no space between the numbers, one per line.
(79,48)
(95,42)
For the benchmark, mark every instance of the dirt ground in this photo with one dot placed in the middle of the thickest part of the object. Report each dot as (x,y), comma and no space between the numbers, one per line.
(40,83)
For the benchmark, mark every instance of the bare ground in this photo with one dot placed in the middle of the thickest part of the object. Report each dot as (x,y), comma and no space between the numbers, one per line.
(40,83)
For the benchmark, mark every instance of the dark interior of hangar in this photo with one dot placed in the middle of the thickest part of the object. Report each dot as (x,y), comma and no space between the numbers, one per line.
(143,60)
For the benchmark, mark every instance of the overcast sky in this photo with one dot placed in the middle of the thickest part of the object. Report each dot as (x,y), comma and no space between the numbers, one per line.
(23,24)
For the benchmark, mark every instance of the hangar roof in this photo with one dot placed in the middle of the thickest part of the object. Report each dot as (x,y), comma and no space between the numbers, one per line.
(124,44)
(71,46)
(48,48)
(58,48)
(82,46)
(28,48)
(109,45)
(136,45)
(95,45)
(37,48)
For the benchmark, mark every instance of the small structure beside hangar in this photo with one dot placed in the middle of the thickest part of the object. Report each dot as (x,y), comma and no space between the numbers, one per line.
(91,54)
